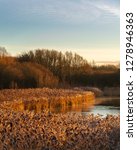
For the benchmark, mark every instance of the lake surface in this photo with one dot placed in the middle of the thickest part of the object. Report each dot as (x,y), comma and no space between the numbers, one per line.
(102,110)
(102,106)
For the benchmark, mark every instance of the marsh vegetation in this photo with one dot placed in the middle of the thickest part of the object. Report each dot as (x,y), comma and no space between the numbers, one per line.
(30,131)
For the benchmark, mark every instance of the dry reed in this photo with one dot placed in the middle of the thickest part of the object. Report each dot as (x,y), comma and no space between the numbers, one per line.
(38,131)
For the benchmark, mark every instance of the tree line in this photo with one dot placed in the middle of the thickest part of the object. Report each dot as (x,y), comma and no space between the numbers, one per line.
(51,68)
(14,74)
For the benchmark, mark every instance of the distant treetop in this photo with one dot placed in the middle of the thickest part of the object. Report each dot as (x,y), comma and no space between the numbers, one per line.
(3,51)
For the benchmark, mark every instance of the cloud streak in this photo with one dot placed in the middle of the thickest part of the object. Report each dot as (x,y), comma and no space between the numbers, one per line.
(78,11)
(111,10)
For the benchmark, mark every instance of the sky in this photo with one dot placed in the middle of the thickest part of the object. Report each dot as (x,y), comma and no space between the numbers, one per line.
(88,27)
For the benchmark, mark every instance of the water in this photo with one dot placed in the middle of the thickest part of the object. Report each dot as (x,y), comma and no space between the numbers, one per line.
(103,110)
(106,105)
(102,106)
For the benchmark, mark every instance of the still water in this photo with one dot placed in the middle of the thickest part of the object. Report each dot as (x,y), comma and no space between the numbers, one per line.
(102,106)
(102,110)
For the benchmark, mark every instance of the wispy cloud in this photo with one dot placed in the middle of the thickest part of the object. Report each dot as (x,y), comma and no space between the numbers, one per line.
(77,11)
(110,9)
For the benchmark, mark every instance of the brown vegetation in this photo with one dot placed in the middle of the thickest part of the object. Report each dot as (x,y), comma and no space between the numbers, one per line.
(50,68)
(73,69)
(39,93)
(25,75)
(27,130)
(44,99)
(30,131)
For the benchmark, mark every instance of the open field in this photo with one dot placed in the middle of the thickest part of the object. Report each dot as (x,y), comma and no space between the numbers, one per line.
(28,130)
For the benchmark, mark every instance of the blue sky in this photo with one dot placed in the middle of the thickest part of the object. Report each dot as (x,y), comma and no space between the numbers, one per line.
(88,27)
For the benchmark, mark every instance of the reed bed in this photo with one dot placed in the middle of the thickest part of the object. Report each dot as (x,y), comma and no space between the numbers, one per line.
(40,93)
(38,131)
(27,130)
(44,99)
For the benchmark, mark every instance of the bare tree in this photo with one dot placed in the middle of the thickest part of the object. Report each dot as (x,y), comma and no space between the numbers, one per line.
(3,51)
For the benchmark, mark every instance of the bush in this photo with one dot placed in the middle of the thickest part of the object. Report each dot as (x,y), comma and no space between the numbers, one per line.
(26,75)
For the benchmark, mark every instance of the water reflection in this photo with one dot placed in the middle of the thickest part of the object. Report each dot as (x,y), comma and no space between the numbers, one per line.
(101,106)
(108,101)
(102,110)
(104,106)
